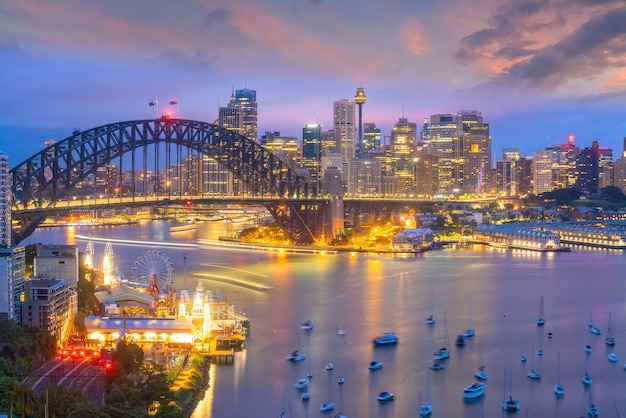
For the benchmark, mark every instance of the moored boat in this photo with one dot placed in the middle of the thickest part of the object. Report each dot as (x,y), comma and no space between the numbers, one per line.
(386,396)
(386,338)
(474,390)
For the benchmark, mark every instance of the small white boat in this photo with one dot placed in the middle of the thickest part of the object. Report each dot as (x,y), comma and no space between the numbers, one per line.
(341,331)
(305,395)
(540,352)
(610,338)
(470,332)
(595,330)
(511,404)
(441,366)
(461,340)
(426,409)
(613,357)
(588,349)
(442,354)
(295,356)
(330,366)
(550,335)
(541,321)
(341,380)
(523,358)
(593,411)
(587,379)
(374,365)
(474,390)
(430,320)
(302,384)
(559,390)
(309,374)
(534,374)
(481,374)
(386,396)
(386,338)
(340,415)
(308,325)
(328,406)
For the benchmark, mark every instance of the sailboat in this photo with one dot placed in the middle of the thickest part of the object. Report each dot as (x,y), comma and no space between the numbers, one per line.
(541,321)
(341,331)
(443,353)
(470,332)
(532,373)
(592,411)
(426,408)
(509,404)
(586,378)
(610,338)
(431,319)
(330,405)
(559,390)
(330,364)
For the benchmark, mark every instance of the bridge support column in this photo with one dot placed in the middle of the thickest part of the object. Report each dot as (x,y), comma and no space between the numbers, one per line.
(334,218)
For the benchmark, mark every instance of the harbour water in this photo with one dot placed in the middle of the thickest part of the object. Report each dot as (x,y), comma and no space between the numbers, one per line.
(367,295)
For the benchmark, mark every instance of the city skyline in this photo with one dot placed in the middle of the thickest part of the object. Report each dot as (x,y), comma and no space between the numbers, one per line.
(536,71)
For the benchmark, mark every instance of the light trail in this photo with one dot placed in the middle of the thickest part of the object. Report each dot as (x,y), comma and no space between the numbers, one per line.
(232,280)
(141,243)
(235,269)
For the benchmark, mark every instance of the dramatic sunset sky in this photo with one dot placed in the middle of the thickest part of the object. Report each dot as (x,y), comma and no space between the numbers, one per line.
(536,69)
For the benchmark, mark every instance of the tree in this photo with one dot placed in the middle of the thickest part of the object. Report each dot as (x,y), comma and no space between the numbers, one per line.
(24,399)
(82,410)
(613,194)
(7,388)
(62,400)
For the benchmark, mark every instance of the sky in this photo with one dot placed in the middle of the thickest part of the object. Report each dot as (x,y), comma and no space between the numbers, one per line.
(538,70)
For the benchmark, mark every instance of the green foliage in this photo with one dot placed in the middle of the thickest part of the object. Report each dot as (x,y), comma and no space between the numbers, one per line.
(117,411)
(62,400)
(20,347)
(128,356)
(613,194)
(82,410)
(7,388)
(562,196)
(24,400)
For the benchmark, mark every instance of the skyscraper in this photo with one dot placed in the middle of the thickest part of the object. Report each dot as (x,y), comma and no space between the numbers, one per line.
(312,153)
(343,125)
(476,157)
(402,149)
(442,140)
(241,114)
(5,201)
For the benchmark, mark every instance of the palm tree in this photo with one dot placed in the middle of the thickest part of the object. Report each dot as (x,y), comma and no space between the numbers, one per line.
(24,399)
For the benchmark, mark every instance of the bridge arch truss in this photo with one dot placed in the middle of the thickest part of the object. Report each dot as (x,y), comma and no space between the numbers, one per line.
(56,172)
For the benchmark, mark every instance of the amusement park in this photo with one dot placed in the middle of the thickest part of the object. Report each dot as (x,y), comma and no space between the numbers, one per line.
(145,308)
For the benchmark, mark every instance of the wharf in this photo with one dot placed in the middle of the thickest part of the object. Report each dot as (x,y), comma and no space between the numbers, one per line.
(221,356)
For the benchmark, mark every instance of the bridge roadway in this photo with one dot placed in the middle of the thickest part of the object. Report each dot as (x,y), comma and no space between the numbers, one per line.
(193,200)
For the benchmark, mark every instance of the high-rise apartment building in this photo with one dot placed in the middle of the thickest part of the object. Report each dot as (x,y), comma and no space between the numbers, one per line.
(591,163)
(443,139)
(344,127)
(619,170)
(402,145)
(371,139)
(49,305)
(12,282)
(507,182)
(542,172)
(364,177)
(312,153)
(476,156)
(5,201)
(284,147)
(241,114)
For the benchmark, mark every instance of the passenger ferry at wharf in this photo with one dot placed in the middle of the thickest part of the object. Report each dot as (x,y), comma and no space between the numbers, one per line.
(519,236)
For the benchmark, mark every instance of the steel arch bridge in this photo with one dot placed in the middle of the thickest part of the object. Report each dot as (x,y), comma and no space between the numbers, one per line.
(53,173)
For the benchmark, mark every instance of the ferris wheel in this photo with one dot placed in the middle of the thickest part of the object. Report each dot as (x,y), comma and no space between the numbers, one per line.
(153,271)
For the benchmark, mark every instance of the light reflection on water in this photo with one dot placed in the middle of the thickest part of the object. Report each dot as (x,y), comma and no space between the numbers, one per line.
(367,295)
